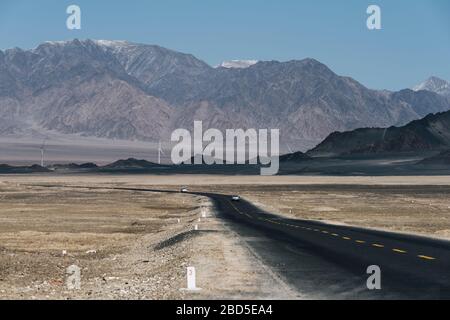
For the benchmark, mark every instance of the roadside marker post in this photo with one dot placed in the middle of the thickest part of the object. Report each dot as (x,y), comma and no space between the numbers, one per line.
(191,280)
(196,227)
(73,280)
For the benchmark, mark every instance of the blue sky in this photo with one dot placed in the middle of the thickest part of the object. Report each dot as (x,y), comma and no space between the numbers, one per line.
(413,44)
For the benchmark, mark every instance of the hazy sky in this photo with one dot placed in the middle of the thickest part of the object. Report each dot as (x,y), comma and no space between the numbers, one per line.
(413,44)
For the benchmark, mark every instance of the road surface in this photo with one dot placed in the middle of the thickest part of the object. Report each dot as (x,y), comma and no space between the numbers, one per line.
(330,262)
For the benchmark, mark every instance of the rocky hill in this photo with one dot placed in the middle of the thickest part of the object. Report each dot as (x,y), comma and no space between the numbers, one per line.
(431,133)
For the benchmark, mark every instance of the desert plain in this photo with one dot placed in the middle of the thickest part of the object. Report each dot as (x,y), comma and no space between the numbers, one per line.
(137,245)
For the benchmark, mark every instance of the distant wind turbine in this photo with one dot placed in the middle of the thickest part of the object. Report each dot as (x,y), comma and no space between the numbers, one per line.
(43,152)
(384,134)
(160,152)
(289,148)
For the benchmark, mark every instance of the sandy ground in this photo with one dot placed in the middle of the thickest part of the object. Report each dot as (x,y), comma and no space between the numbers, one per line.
(128,245)
(214,180)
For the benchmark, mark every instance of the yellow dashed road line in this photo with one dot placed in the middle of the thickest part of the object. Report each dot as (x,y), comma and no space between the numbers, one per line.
(426,257)
(376,245)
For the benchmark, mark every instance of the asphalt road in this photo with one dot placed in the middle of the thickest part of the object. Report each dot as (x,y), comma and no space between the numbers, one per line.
(324,261)
(330,262)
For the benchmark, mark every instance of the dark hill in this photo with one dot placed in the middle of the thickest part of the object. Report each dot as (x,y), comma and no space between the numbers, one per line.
(431,133)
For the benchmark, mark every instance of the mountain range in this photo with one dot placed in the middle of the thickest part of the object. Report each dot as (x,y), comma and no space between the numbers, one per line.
(124,90)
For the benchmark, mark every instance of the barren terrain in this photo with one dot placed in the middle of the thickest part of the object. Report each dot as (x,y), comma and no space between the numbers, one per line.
(128,245)
(137,245)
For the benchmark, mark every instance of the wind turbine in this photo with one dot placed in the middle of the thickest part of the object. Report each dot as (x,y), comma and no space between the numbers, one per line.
(160,152)
(43,152)
(289,148)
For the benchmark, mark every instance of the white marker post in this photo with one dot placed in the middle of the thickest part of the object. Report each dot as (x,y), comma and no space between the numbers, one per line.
(73,281)
(191,280)
(196,227)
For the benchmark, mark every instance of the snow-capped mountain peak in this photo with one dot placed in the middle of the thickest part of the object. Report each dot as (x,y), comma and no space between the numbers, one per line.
(436,85)
(237,64)
(112,43)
